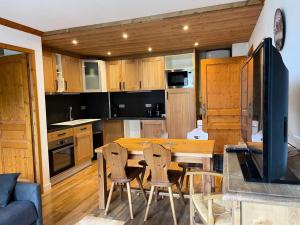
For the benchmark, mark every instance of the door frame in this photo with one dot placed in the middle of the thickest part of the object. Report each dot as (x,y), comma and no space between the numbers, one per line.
(34,110)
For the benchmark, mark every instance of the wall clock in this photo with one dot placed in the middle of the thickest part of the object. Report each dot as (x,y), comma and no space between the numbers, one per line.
(279,29)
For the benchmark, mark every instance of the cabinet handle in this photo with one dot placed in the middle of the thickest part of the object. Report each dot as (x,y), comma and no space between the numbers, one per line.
(75,141)
(141,125)
(61,134)
(140,84)
(124,86)
(83,128)
(56,85)
(167,95)
(120,85)
(66,85)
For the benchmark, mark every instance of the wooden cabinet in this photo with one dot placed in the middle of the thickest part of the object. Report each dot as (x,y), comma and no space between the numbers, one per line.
(130,75)
(153,129)
(72,73)
(151,72)
(181,113)
(137,74)
(56,135)
(220,100)
(83,143)
(112,130)
(114,75)
(50,76)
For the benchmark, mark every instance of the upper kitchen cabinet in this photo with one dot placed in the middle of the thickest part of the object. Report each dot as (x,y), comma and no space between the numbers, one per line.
(94,76)
(50,76)
(130,75)
(114,75)
(72,73)
(151,71)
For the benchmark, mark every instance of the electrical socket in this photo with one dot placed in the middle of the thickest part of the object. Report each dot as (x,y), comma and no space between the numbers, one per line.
(83,107)
(148,105)
(121,106)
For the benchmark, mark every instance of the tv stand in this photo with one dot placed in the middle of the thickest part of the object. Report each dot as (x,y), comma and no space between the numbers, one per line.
(251,174)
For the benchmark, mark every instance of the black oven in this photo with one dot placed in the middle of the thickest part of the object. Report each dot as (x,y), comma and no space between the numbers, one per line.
(61,155)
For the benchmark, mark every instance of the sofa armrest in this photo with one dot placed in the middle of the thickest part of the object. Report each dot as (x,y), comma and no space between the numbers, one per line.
(30,192)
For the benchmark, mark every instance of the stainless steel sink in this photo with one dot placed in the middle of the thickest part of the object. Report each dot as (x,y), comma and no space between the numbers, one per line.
(76,122)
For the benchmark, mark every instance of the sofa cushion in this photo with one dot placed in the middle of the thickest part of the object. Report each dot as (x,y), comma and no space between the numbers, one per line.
(7,185)
(18,213)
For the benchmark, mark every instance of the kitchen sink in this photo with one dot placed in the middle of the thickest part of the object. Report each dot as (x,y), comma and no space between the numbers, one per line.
(75,122)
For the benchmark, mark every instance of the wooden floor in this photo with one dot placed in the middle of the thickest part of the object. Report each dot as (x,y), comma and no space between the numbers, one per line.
(69,201)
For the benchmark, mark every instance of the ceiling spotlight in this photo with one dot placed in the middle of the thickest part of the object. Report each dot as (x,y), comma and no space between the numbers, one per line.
(196,44)
(108,53)
(149,49)
(74,42)
(125,35)
(185,27)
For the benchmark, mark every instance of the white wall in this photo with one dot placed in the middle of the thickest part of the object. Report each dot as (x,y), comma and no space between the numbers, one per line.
(25,40)
(240,49)
(290,54)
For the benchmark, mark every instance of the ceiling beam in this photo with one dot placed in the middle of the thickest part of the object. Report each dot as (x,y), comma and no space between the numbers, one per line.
(21,27)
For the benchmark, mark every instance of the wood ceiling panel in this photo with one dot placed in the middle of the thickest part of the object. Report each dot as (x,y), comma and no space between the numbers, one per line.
(212,29)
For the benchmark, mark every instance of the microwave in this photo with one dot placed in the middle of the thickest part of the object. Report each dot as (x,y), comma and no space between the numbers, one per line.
(180,78)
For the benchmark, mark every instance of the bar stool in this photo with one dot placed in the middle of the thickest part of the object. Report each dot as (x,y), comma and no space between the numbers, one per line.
(117,156)
(158,159)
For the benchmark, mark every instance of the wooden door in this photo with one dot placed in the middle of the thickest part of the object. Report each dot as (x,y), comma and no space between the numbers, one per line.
(72,73)
(220,96)
(16,150)
(152,75)
(153,129)
(112,130)
(83,144)
(181,113)
(50,77)
(114,75)
(130,75)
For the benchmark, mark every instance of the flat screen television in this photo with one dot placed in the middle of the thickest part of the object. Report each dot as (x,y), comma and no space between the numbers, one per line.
(264,116)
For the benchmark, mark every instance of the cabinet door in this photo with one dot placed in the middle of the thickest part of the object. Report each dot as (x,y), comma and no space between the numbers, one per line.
(220,94)
(91,75)
(49,64)
(130,75)
(153,129)
(112,130)
(72,73)
(114,75)
(152,75)
(181,114)
(83,144)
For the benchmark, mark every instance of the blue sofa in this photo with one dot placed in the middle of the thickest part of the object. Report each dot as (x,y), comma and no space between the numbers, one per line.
(25,207)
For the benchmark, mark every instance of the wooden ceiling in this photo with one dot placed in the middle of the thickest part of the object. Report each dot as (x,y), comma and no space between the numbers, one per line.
(212,28)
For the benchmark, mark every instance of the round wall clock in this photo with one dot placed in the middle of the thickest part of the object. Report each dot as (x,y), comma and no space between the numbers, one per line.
(279,29)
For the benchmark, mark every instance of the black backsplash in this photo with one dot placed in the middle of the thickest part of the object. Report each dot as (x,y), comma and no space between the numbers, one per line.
(135,102)
(95,105)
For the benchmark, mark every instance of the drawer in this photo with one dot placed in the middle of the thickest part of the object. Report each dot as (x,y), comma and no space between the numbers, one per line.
(83,128)
(53,136)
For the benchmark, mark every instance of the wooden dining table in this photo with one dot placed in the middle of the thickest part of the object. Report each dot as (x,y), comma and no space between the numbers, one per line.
(183,150)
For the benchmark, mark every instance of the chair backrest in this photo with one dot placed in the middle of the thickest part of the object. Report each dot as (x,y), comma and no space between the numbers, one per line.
(116,156)
(158,159)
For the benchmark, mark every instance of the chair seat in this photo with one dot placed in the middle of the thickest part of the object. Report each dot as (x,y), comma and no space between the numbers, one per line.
(131,173)
(221,212)
(173,176)
(191,165)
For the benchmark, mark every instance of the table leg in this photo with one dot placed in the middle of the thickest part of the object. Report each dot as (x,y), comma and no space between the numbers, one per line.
(207,166)
(102,182)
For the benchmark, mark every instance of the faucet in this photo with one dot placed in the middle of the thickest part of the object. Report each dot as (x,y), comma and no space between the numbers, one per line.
(70,113)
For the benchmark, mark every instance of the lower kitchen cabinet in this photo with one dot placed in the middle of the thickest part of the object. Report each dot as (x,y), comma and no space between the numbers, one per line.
(153,129)
(112,130)
(83,143)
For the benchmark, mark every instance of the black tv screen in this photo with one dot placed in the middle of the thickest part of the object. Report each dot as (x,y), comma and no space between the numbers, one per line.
(264,111)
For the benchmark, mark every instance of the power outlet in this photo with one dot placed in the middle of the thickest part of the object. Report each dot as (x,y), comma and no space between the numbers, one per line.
(83,107)
(121,106)
(148,105)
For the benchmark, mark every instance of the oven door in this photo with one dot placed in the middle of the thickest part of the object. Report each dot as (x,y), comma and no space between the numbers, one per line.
(177,78)
(61,159)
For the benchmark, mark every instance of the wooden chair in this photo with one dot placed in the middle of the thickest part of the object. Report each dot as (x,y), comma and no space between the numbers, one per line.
(187,167)
(117,156)
(158,159)
(211,208)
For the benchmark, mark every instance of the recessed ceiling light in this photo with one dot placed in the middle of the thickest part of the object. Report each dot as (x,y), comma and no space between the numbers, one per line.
(185,27)
(108,53)
(196,44)
(149,49)
(125,35)
(74,42)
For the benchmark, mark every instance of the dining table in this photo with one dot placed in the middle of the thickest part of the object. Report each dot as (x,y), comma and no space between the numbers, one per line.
(183,150)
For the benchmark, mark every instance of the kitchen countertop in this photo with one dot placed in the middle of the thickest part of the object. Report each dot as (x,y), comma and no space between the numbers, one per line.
(235,188)
(62,126)
(135,118)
